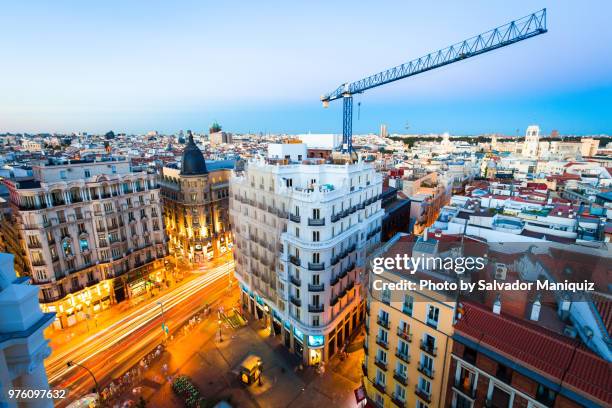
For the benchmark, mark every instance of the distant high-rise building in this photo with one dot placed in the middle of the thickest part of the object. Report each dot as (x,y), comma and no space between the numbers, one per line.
(92,234)
(23,347)
(383,130)
(196,207)
(302,232)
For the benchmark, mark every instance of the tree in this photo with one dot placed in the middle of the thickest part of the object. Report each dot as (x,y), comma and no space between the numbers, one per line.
(109,135)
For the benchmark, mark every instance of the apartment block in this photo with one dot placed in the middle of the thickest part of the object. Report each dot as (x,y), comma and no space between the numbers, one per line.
(408,336)
(93,234)
(302,230)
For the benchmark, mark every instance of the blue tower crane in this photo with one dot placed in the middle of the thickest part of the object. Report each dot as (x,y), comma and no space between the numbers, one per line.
(518,30)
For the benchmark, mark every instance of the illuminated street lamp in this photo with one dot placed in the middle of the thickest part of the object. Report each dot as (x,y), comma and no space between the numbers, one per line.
(72,363)
(260,367)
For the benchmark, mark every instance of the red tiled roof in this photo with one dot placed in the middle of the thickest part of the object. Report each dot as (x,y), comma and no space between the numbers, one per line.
(604,308)
(557,358)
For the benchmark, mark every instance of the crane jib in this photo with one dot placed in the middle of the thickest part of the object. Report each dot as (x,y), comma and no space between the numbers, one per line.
(507,34)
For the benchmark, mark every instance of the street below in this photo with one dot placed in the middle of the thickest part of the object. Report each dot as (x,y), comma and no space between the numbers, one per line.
(114,349)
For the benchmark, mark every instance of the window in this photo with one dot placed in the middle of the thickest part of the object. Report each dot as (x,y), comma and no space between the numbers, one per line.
(466,380)
(427,365)
(381,378)
(386,296)
(87,173)
(424,385)
(402,348)
(429,344)
(469,355)
(433,315)
(383,317)
(381,356)
(315,236)
(400,392)
(315,321)
(421,404)
(316,213)
(545,395)
(316,257)
(297,232)
(63,174)
(315,279)
(408,305)
(383,336)
(504,373)
(401,369)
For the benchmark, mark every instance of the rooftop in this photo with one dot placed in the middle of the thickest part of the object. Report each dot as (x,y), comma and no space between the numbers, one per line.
(540,351)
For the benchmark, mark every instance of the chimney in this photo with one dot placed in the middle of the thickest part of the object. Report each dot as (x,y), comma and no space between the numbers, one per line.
(535,309)
(497,305)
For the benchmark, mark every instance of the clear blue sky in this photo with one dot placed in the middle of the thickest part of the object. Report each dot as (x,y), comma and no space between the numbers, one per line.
(262,65)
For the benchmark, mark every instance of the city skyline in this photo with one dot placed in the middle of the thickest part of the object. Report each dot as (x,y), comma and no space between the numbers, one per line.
(262,68)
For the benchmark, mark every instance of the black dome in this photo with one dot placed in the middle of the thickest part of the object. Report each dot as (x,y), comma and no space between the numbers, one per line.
(193,161)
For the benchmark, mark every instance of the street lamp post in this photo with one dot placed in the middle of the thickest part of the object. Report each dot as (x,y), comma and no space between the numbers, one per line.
(220,338)
(164,327)
(72,363)
(260,367)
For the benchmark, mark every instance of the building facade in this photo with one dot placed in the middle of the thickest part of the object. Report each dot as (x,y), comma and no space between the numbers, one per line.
(196,205)
(302,232)
(408,337)
(93,234)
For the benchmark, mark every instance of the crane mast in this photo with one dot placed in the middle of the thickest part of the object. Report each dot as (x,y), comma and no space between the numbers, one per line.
(517,30)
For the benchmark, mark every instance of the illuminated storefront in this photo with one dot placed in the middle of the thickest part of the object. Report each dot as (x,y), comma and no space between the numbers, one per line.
(82,305)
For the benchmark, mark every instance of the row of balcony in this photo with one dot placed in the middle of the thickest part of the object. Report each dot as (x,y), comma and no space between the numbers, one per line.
(400,401)
(373,232)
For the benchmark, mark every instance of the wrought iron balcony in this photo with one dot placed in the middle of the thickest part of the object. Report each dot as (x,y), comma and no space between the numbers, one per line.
(294,218)
(426,371)
(295,301)
(295,280)
(401,378)
(316,308)
(295,260)
(429,348)
(382,342)
(316,288)
(424,395)
(404,334)
(318,266)
(402,356)
(380,364)
(316,222)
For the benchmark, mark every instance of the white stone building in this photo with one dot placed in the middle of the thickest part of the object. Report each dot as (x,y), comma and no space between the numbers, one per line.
(93,234)
(23,348)
(302,233)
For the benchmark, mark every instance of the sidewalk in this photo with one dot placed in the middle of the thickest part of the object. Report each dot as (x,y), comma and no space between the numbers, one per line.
(200,355)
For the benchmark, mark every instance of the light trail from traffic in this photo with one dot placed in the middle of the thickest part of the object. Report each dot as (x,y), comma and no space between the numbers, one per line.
(129,330)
